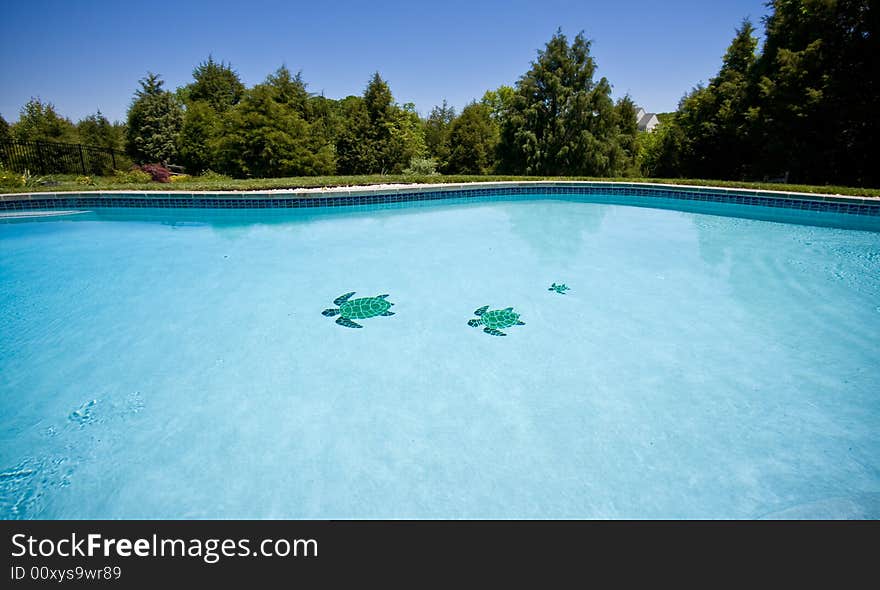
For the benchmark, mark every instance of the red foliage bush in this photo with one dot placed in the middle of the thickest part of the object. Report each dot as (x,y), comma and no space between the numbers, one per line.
(157,172)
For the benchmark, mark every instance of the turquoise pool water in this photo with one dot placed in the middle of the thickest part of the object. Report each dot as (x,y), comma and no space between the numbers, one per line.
(176,364)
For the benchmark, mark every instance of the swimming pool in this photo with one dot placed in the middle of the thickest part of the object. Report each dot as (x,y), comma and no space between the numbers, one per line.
(175,363)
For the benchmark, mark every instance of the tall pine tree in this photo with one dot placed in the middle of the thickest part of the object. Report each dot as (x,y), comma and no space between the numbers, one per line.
(561,121)
(154,121)
(473,139)
(215,83)
(437,128)
(378,136)
(715,118)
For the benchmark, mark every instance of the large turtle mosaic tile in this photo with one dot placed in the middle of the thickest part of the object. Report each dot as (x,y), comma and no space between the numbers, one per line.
(495,320)
(358,309)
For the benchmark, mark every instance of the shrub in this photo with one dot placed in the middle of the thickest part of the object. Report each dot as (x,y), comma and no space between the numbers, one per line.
(211,175)
(157,172)
(180,178)
(421,167)
(10,179)
(85,180)
(133,176)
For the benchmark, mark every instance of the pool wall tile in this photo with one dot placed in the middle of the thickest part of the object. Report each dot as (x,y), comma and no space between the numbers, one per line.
(342,197)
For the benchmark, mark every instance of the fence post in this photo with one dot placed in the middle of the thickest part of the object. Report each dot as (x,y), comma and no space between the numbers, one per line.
(82,160)
(113,157)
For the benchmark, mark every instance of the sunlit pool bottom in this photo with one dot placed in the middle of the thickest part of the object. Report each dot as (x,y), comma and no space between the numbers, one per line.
(177,364)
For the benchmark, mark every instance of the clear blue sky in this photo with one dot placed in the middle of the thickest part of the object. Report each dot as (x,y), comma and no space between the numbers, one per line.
(86,55)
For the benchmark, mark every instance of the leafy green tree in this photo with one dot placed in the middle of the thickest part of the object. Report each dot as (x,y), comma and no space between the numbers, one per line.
(198,137)
(805,107)
(39,121)
(355,153)
(154,121)
(628,134)
(715,118)
(378,136)
(407,141)
(473,140)
(215,83)
(325,119)
(661,152)
(290,90)
(96,130)
(561,121)
(263,136)
(379,104)
(437,128)
(818,91)
(499,101)
(378,99)
(216,88)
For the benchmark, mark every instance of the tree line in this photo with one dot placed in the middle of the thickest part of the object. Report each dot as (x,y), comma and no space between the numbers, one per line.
(39,121)
(556,120)
(804,108)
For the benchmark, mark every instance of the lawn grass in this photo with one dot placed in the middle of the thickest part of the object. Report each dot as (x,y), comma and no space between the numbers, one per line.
(69,183)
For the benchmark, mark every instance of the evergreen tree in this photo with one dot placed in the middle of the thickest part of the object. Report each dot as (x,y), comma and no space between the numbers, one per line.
(355,154)
(437,128)
(198,137)
(264,136)
(661,152)
(96,130)
(819,91)
(290,90)
(4,130)
(380,110)
(805,107)
(40,121)
(473,139)
(407,141)
(499,101)
(561,121)
(154,121)
(628,133)
(216,88)
(215,83)
(378,136)
(715,118)
(325,119)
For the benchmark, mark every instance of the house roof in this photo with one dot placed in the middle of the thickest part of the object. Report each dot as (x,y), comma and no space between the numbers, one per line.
(647,119)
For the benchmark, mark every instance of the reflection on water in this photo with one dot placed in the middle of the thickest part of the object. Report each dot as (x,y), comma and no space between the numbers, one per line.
(555,234)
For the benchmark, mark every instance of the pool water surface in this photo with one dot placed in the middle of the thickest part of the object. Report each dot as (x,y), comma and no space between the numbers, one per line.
(177,364)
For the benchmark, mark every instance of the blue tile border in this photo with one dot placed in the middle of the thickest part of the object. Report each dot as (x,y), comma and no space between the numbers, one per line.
(379,196)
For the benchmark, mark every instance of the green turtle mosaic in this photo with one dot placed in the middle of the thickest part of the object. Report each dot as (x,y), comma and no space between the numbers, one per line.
(561,289)
(358,309)
(496,320)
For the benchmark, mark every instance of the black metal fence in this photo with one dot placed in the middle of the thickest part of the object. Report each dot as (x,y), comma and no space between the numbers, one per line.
(43,157)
